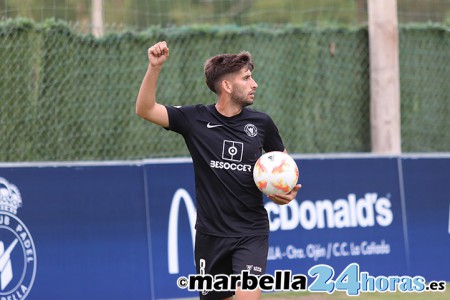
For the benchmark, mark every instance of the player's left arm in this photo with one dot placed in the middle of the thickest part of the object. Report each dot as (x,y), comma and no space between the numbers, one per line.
(283,199)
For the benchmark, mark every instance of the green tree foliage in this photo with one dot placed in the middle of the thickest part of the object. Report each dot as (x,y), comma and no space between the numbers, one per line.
(140,14)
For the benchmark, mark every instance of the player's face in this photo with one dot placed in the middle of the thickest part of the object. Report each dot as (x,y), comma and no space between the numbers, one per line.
(244,87)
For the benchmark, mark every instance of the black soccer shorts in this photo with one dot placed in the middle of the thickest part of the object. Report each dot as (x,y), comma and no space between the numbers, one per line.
(230,255)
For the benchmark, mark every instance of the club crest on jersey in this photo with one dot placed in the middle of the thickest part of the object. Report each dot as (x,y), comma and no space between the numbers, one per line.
(251,130)
(17,251)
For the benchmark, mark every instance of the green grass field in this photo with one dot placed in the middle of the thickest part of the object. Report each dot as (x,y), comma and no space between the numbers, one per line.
(445,295)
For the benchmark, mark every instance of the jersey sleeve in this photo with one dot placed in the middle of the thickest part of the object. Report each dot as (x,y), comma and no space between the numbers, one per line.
(180,118)
(272,139)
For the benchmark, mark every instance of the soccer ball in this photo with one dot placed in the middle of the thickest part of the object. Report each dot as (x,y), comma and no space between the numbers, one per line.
(275,173)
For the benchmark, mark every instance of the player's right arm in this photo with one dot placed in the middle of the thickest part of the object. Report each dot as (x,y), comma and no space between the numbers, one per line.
(146,105)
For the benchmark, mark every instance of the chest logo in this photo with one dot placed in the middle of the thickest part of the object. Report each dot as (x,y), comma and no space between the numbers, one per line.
(232,151)
(251,130)
(209,125)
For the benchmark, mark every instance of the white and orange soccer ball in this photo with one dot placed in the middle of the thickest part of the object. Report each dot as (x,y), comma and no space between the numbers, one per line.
(275,173)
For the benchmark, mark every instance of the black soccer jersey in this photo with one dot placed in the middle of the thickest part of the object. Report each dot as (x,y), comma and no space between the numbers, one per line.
(224,151)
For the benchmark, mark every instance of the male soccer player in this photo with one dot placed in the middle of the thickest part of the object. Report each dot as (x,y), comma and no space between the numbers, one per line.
(225,140)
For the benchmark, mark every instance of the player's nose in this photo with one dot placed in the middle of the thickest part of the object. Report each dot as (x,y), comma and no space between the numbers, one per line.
(254,84)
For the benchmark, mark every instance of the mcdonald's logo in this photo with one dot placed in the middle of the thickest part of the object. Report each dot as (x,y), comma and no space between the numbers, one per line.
(172,239)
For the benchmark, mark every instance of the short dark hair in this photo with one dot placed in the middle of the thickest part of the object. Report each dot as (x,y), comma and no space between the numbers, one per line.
(220,65)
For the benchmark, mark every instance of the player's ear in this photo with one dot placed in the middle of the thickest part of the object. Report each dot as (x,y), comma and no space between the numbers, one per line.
(226,86)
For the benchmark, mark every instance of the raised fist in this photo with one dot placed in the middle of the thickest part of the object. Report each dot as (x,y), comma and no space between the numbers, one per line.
(158,54)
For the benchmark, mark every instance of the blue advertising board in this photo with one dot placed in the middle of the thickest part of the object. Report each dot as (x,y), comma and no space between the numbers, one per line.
(348,210)
(172,216)
(86,233)
(427,190)
(126,230)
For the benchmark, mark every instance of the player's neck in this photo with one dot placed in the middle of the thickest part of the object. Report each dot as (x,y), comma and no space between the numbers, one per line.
(227,109)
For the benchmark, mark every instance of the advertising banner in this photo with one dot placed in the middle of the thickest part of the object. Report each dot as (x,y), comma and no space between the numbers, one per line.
(172,214)
(348,210)
(73,233)
(126,231)
(427,190)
